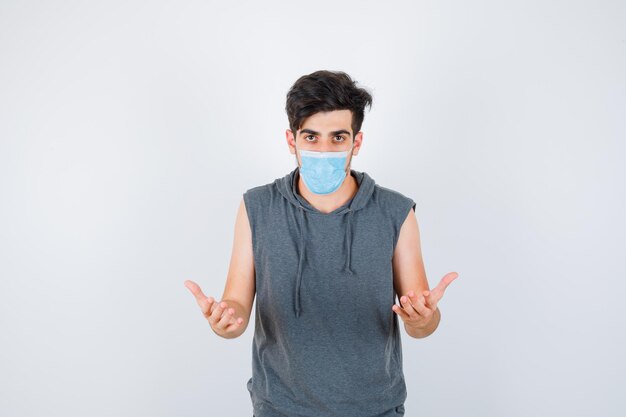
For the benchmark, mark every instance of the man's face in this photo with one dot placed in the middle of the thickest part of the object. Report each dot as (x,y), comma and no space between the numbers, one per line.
(325,132)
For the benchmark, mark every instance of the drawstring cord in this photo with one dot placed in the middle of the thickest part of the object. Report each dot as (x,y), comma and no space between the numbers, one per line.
(300,260)
(348,265)
(349,243)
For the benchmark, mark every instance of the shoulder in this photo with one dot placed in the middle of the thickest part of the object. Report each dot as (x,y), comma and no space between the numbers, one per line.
(263,189)
(261,195)
(256,196)
(393,201)
(396,206)
(257,191)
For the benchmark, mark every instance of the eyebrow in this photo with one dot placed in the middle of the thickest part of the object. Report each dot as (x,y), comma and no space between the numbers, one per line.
(334,132)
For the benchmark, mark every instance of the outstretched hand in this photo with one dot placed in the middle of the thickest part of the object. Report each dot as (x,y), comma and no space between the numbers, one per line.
(418,310)
(220,317)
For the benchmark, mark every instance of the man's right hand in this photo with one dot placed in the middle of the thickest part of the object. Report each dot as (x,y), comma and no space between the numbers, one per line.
(221,318)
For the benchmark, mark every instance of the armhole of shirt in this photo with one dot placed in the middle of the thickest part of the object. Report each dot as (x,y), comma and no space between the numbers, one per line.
(250,213)
(403,212)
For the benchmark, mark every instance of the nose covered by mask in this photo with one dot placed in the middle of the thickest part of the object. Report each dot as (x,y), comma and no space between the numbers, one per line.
(323,172)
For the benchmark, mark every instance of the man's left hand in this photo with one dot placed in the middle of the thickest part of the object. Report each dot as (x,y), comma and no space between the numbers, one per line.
(418,311)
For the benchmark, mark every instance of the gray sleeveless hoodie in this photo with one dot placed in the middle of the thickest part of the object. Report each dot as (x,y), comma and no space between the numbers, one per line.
(326,341)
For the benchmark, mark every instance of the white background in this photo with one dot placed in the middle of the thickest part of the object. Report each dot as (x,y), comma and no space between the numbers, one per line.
(129,131)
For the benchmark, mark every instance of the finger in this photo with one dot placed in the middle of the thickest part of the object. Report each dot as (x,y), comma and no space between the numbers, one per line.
(408,307)
(216,314)
(430,301)
(226,318)
(207,305)
(400,312)
(228,321)
(419,305)
(195,290)
(233,324)
(443,284)
(414,298)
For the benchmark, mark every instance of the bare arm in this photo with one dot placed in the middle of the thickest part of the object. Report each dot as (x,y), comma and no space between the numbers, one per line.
(240,286)
(419,305)
(229,317)
(409,276)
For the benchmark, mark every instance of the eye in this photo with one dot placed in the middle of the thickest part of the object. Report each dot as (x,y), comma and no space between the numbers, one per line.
(309,136)
(340,137)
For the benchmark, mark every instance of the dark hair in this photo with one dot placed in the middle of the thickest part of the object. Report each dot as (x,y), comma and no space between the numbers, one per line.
(326,91)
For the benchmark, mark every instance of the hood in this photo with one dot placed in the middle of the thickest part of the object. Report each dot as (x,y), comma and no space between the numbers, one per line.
(287,186)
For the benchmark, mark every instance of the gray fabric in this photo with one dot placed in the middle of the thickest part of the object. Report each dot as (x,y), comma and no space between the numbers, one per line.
(326,341)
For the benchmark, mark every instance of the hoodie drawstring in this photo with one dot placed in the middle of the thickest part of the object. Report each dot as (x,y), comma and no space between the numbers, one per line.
(287,186)
(348,265)
(349,243)
(301,258)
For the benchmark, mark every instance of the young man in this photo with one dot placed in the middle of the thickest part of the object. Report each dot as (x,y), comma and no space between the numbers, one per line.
(326,250)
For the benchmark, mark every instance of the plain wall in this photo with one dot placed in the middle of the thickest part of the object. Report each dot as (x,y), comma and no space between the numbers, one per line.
(130,130)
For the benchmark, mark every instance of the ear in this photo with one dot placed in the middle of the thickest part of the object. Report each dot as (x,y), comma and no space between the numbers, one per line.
(291,142)
(358,139)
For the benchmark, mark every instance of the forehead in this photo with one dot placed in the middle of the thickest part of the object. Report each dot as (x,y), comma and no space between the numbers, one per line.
(328,121)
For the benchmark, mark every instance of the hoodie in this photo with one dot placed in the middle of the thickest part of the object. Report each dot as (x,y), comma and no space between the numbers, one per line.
(287,186)
(326,341)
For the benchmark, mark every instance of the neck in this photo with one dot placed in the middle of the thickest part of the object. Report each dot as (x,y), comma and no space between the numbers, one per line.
(327,203)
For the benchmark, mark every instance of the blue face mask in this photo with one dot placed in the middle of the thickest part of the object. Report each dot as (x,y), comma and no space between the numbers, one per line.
(323,172)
